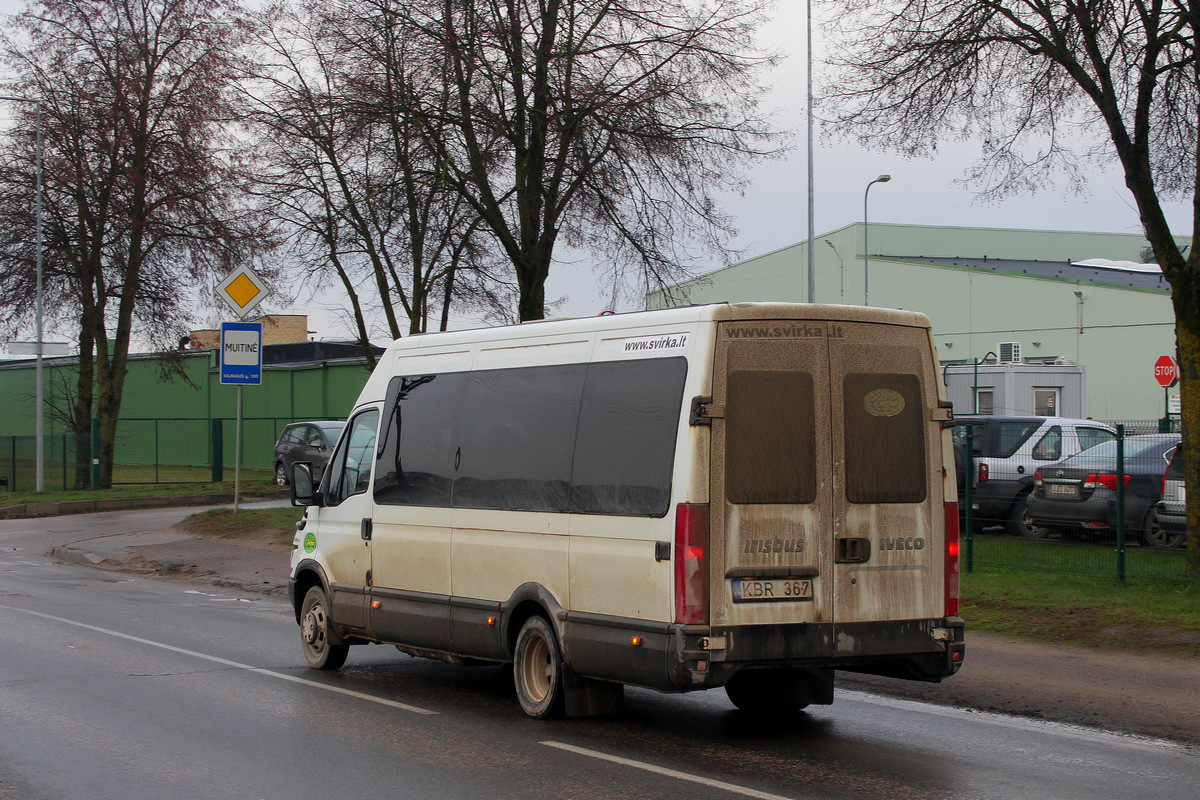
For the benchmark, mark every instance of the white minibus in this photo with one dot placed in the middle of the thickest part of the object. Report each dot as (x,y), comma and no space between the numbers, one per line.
(744,495)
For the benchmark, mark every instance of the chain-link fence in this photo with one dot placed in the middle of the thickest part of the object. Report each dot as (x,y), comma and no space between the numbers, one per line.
(159,450)
(1071,497)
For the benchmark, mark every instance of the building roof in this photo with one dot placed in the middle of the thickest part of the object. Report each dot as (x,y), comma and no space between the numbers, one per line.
(1137,279)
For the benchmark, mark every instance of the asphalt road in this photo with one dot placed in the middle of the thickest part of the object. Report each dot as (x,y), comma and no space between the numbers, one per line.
(120,687)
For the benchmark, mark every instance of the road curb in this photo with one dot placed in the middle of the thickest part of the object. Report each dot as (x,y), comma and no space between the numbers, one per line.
(76,556)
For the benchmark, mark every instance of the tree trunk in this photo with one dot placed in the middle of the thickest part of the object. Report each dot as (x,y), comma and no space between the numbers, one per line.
(1187,342)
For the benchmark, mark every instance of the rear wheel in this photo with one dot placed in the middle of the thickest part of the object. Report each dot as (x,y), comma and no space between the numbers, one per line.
(315,633)
(1155,535)
(767,691)
(1019,523)
(538,670)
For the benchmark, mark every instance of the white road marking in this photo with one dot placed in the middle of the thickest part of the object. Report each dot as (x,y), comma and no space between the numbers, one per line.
(1064,729)
(226,662)
(670,773)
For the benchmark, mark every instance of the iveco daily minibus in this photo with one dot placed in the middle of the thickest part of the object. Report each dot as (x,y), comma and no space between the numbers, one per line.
(741,495)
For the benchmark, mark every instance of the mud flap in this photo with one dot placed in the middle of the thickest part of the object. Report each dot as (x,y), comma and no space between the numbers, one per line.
(585,697)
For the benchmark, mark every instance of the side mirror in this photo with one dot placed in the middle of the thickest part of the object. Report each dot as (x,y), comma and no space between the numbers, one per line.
(303,491)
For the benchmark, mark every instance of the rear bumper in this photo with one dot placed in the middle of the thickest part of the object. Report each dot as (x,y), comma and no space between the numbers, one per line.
(992,500)
(699,657)
(1172,516)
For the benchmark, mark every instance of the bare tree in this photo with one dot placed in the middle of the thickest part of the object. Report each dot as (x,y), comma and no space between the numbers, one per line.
(345,171)
(608,124)
(1047,85)
(141,199)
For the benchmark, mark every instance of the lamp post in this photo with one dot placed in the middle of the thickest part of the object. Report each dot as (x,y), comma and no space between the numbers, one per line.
(841,272)
(812,275)
(39,416)
(866,248)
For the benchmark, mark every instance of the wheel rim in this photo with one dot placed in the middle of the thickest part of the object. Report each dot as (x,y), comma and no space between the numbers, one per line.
(1026,523)
(537,669)
(1156,535)
(314,629)
(280,475)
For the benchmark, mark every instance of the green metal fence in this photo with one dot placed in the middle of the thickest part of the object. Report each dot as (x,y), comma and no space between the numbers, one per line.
(1083,519)
(188,450)
(146,451)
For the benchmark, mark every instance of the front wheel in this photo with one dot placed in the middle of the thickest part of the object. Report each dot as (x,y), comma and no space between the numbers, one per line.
(538,669)
(1019,523)
(315,633)
(281,476)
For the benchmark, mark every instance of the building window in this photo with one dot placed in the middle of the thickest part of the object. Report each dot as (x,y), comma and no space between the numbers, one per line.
(985,401)
(1045,402)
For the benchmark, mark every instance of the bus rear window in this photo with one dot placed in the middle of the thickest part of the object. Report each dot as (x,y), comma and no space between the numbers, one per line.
(770,447)
(885,438)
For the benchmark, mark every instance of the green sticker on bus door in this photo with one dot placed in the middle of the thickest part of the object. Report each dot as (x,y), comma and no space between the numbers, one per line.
(310,542)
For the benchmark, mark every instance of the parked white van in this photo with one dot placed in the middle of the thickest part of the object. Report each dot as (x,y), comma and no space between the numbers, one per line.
(741,495)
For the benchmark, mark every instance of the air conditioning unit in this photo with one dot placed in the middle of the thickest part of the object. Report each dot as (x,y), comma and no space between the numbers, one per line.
(1010,352)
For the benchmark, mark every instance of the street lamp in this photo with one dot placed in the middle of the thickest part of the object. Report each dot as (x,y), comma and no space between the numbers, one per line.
(866,250)
(841,272)
(40,445)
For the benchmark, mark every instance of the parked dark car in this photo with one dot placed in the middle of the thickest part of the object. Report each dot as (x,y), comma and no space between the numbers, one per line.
(308,442)
(1169,526)
(1079,496)
(1007,452)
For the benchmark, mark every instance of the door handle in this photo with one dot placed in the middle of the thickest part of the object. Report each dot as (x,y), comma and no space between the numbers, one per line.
(367,529)
(853,550)
(457,458)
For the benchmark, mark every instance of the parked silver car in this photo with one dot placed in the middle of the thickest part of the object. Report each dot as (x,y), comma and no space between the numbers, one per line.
(1168,527)
(1008,451)
(308,442)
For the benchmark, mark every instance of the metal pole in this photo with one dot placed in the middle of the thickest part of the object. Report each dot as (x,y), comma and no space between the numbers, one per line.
(237,452)
(39,415)
(866,244)
(1121,503)
(812,275)
(969,497)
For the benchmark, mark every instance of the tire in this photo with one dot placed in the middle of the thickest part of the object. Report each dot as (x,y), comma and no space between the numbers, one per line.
(762,692)
(1018,520)
(538,670)
(1154,535)
(281,476)
(315,633)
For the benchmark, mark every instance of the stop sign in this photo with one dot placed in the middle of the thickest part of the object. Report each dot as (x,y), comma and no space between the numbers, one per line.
(1166,371)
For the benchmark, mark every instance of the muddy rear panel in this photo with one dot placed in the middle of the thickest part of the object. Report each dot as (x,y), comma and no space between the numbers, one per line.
(826,483)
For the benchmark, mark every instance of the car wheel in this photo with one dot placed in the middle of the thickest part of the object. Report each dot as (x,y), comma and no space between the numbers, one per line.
(1154,535)
(315,633)
(1019,523)
(538,670)
(281,476)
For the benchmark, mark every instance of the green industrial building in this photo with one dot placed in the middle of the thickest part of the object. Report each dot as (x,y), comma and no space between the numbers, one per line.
(1069,323)
(175,411)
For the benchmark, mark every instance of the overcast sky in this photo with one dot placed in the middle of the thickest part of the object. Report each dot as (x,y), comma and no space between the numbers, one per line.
(773,211)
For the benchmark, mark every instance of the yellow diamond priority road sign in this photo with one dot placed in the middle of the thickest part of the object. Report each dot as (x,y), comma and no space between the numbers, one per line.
(242,290)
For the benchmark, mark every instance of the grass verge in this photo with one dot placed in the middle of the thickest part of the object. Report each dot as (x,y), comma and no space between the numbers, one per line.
(1162,617)
(278,524)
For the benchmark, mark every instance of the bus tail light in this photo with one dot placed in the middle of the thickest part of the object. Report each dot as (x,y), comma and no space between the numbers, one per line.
(691,563)
(952,562)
